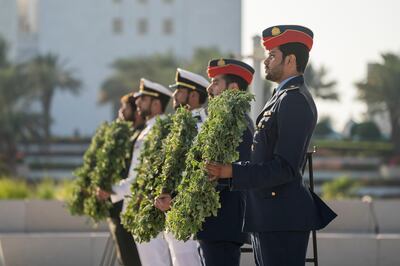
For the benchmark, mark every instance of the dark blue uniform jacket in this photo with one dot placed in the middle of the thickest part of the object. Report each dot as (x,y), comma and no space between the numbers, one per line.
(277,199)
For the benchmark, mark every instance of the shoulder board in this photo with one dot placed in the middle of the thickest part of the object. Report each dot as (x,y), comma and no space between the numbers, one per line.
(292,88)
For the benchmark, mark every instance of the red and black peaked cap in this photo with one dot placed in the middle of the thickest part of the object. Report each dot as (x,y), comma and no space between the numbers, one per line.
(282,34)
(230,66)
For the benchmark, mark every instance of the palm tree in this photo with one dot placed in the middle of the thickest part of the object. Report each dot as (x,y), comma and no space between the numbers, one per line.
(46,74)
(111,91)
(315,79)
(3,51)
(381,91)
(127,73)
(17,122)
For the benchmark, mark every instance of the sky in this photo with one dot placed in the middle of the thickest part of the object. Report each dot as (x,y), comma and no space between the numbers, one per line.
(347,36)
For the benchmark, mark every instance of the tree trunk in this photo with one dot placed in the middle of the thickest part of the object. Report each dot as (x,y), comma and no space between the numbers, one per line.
(46,105)
(10,155)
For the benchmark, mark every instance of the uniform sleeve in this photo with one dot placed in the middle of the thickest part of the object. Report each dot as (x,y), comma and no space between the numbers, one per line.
(244,148)
(120,190)
(273,173)
(294,125)
(123,187)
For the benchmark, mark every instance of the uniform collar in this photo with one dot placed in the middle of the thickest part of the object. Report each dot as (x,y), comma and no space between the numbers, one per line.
(294,80)
(152,121)
(199,113)
(287,83)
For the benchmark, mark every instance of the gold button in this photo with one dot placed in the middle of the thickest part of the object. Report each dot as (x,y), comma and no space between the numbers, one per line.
(273,193)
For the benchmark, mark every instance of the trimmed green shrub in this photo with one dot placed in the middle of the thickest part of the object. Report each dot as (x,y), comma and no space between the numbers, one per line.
(340,188)
(13,189)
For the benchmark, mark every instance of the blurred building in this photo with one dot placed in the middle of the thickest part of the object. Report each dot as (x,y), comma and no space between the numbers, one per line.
(89,35)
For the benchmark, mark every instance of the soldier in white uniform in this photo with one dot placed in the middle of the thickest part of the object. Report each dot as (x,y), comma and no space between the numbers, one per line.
(151,100)
(190,91)
(125,246)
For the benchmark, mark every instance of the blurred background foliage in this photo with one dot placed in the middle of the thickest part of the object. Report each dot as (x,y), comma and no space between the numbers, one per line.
(45,189)
(340,188)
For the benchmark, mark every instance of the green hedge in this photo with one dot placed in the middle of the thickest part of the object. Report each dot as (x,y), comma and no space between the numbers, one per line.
(350,146)
(47,189)
(340,188)
(13,189)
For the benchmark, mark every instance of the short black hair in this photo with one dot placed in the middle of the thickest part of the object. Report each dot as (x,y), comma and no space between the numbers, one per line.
(229,78)
(202,96)
(299,50)
(130,100)
(164,102)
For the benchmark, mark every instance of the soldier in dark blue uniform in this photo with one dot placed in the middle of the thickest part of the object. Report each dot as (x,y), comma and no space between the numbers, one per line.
(222,236)
(280,210)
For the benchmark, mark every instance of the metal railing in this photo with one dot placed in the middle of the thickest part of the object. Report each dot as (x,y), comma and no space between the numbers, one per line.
(2,262)
(109,254)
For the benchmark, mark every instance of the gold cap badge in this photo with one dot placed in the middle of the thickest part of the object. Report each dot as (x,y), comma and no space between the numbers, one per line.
(221,62)
(141,86)
(275,31)
(177,75)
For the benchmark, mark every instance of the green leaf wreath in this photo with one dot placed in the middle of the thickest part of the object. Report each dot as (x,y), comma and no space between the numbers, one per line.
(140,209)
(176,146)
(83,174)
(217,141)
(108,159)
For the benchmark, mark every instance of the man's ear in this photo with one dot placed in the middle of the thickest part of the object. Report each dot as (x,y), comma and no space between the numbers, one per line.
(194,95)
(156,103)
(233,86)
(291,59)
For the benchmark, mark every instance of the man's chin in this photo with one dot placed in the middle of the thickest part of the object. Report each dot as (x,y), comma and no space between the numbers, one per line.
(144,114)
(269,77)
